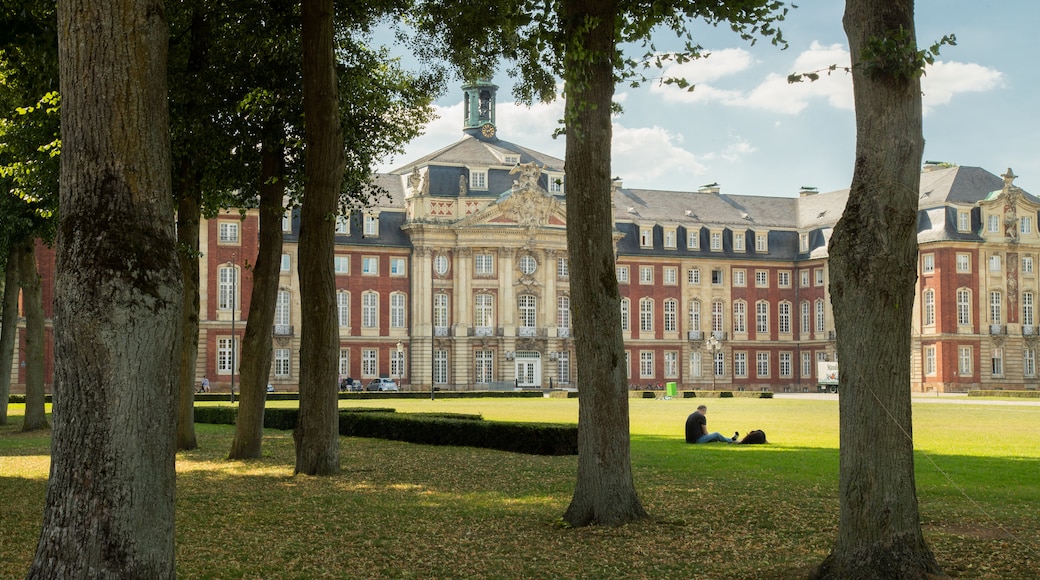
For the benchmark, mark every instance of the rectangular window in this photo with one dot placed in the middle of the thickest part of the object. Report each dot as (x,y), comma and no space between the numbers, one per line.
(562,270)
(761,242)
(928,263)
(227,232)
(995,308)
(716,241)
(803,278)
(695,364)
(820,322)
(739,278)
(556,182)
(369,266)
(997,362)
(527,305)
(341,264)
(227,291)
(1025,225)
(739,317)
(646,364)
(343,225)
(819,276)
(646,315)
(784,317)
(740,364)
(669,239)
(716,277)
(963,307)
(963,221)
(805,327)
(1027,308)
(440,367)
(761,279)
(286,263)
(287,221)
(398,266)
(963,263)
(646,237)
(994,263)
(371,226)
(484,309)
(282,308)
(1027,264)
(671,364)
(693,238)
(671,276)
(622,274)
(478,179)
(397,363)
(484,366)
(563,367)
(718,321)
(344,362)
(563,313)
(720,364)
(369,363)
(929,360)
(994,224)
(626,307)
(762,317)
(227,350)
(785,365)
(693,276)
(343,308)
(803,243)
(738,241)
(1029,362)
(646,274)
(783,279)
(671,315)
(762,365)
(807,365)
(281,362)
(440,312)
(484,264)
(964,358)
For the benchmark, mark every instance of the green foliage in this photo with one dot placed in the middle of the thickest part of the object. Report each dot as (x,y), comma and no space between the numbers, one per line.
(893,54)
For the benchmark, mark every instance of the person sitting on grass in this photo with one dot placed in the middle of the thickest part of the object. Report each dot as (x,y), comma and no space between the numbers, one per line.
(697,429)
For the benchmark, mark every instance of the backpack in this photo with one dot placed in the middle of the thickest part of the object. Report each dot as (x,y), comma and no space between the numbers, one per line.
(754,437)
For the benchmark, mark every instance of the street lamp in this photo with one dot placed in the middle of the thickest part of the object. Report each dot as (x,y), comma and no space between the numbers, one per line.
(714,346)
(234,303)
(400,362)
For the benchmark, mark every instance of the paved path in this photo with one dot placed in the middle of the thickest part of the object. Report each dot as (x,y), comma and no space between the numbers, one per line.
(950,398)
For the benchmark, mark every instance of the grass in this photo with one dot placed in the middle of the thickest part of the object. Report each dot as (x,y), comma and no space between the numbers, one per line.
(400,510)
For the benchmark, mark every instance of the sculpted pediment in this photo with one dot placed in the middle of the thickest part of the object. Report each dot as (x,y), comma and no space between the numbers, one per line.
(526,204)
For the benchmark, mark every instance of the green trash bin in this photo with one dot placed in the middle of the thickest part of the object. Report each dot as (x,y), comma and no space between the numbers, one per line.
(672,389)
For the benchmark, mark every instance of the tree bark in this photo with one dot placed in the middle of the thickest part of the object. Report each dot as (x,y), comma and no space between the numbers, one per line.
(9,330)
(32,304)
(256,343)
(317,432)
(189,215)
(109,506)
(873,265)
(605,492)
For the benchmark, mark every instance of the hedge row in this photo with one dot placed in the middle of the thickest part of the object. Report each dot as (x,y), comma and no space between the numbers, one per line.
(703,394)
(1015,394)
(426,428)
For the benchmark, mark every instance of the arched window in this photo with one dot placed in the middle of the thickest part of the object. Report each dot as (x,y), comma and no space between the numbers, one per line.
(528,310)
(821,324)
(1027,308)
(484,310)
(228,288)
(784,318)
(740,316)
(995,307)
(671,311)
(718,317)
(963,307)
(343,307)
(929,307)
(805,326)
(563,312)
(626,314)
(440,310)
(695,315)
(397,310)
(370,310)
(762,317)
(282,309)
(646,314)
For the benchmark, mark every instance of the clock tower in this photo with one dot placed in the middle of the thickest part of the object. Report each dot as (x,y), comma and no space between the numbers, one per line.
(479,110)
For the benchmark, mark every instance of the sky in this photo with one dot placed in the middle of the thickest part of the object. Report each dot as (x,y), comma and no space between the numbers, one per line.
(747,129)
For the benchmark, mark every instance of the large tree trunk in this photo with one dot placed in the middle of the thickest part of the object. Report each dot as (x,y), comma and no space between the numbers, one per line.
(32,304)
(317,433)
(109,507)
(9,331)
(189,215)
(256,344)
(605,493)
(873,265)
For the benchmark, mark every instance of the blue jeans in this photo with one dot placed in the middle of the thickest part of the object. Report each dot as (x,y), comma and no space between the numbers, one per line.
(712,437)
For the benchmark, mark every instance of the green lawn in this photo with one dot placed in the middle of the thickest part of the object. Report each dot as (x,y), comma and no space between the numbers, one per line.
(409,511)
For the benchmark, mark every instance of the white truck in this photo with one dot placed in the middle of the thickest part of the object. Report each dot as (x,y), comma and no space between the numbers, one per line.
(827,376)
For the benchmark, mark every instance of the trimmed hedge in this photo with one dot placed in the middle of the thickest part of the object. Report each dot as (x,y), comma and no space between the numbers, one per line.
(426,428)
(1015,394)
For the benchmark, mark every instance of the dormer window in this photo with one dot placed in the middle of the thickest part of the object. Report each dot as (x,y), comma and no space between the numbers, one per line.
(669,239)
(963,221)
(478,179)
(511,159)
(646,236)
(761,242)
(555,182)
(693,238)
(994,224)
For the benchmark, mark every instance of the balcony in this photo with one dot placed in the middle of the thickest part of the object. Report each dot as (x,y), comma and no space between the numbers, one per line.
(831,335)
(694,335)
(440,331)
(563,332)
(1028,330)
(997,329)
(283,330)
(483,331)
(527,331)
(719,335)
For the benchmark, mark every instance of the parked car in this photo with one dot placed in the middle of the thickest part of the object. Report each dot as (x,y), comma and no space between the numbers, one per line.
(382,384)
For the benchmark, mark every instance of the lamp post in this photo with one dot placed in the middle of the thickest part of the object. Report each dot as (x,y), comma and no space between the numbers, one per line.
(234,303)
(714,346)
(400,362)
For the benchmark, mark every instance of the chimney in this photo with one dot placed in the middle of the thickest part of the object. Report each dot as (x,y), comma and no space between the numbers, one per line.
(807,190)
(933,165)
(710,188)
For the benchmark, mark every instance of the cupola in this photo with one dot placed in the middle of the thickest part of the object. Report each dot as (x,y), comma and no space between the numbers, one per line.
(479,110)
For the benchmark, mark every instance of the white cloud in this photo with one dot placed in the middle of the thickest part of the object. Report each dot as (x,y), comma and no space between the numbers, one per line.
(943,80)
(652,155)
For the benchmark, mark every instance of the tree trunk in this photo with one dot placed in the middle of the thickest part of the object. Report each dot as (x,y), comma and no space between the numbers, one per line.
(605,493)
(256,344)
(189,215)
(109,506)
(9,330)
(32,304)
(317,432)
(873,265)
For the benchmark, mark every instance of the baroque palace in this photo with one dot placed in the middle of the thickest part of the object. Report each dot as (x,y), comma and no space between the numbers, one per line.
(457,279)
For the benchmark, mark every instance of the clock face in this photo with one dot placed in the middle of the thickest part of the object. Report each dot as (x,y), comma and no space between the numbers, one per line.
(488,130)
